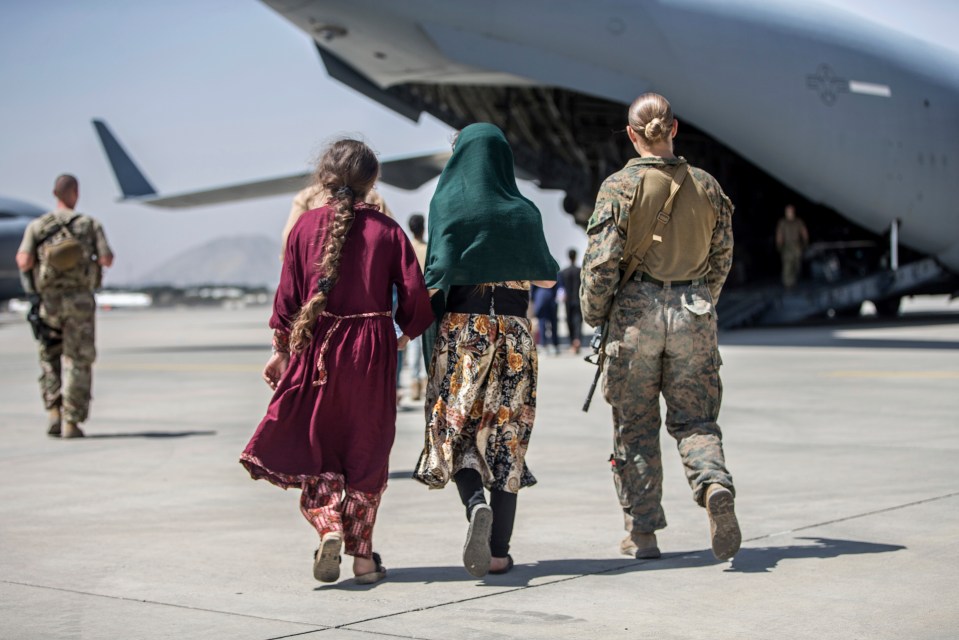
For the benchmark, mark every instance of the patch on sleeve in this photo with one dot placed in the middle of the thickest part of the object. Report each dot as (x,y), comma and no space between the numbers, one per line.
(603,213)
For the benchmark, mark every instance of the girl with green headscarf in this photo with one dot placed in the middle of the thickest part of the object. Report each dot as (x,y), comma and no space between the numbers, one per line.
(486,244)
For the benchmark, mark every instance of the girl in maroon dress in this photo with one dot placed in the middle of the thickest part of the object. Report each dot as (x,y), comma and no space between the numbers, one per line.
(331,423)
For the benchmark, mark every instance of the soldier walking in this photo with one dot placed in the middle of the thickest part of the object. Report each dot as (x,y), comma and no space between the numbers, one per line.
(791,239)
(62,255)
(660,248)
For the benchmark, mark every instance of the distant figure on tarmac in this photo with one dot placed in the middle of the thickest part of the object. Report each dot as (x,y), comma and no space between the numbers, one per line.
(791,239)
(546,309)
(653,270)
(62,256)
(331,423)
(414,352)
(314,197)
(486,243)
(569,279)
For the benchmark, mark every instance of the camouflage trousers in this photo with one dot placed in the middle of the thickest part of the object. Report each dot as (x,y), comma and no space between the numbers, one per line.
(792,264)
(66,366)
(662,340)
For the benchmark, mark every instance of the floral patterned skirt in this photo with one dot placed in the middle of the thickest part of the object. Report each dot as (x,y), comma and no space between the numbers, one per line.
(480,401)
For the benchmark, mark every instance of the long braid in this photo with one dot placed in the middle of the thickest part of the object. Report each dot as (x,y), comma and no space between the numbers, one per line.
(329,266)
(347,171)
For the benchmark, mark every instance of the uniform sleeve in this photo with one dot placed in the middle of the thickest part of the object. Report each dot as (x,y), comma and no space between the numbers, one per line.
(604,250)
(413,311)
(100,240)
(721,247)
(29,242)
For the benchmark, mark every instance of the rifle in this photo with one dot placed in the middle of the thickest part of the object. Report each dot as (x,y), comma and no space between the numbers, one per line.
(635,253)
(597,344)
(42,332)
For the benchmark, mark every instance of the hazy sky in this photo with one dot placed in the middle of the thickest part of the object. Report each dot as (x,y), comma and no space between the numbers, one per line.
(204,93)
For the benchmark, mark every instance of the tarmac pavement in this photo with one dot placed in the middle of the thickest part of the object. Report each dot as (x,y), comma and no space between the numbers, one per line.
(842,440)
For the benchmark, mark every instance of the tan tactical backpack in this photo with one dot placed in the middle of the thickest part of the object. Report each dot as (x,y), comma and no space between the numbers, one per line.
(64,260)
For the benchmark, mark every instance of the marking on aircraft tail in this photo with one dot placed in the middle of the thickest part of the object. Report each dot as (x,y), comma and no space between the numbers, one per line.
(870,89)
(827,84)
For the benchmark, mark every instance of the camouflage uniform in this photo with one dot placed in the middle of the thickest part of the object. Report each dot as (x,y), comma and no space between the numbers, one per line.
(68,307)
(661,339)
(791,236)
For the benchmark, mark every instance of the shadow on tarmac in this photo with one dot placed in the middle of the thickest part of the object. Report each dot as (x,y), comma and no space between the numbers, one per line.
(763,559)
(150,434)
(748,560)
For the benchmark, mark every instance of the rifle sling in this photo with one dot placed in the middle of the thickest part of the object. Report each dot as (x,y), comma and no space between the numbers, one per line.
(636,259)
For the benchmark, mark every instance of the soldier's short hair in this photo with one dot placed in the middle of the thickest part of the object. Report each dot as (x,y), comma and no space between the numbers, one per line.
(64,185)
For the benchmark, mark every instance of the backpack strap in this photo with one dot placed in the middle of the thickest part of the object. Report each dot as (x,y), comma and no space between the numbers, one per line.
(60,225)
(662,219)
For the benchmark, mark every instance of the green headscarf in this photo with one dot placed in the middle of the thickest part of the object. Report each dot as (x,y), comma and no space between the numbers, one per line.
(481,229)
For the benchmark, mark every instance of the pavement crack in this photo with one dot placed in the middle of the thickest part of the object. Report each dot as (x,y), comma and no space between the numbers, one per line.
(318,627)
(629,565)
(855,516)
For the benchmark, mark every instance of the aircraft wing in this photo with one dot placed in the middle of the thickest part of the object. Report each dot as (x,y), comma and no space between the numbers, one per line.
(229,193)
(407,172)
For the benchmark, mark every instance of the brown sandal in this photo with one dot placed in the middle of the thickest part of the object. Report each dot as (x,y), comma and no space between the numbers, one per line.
(373,576)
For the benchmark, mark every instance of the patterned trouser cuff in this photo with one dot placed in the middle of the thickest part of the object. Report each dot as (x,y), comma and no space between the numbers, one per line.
(330,506)
(359,516)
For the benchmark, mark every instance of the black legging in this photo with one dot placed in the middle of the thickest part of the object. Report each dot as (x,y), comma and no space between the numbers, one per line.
(470,485)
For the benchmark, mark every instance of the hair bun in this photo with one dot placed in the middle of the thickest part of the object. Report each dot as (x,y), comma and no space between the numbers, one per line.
(654,129)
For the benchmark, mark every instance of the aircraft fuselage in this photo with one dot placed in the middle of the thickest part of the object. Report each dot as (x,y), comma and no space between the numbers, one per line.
(849,114)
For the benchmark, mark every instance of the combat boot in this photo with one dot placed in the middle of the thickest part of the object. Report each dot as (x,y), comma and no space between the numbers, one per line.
(724,533)
(71,430)
(641,546)
(54,423)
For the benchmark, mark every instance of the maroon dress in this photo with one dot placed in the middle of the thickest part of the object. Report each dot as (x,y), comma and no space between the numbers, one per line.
(347,424)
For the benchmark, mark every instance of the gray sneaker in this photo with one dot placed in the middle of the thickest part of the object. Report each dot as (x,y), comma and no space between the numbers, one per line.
(476,552)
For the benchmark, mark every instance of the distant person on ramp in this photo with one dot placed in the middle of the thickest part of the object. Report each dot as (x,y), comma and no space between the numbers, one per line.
(486,243)
(331,423)
(660,248)
(62,256)
(791,239)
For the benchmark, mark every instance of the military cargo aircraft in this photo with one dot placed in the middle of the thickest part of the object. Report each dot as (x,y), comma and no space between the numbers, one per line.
(15,215)
(784,102)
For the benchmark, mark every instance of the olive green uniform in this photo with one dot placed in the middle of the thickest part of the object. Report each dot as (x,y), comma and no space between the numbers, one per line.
(662,328)
(791,236)
(68,307)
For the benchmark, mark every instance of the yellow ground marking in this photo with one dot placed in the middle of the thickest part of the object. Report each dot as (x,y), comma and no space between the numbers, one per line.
(928,375)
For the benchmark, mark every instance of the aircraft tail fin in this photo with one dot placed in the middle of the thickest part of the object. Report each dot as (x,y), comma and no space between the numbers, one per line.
(132,182)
